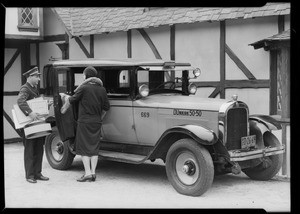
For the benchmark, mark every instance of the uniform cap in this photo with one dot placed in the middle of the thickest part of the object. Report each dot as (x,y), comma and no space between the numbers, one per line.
(32,71)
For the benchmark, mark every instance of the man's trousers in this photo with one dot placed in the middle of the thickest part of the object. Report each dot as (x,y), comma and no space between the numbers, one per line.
(33,156)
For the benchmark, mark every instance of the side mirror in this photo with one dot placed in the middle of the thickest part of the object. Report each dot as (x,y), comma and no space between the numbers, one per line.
(144,90)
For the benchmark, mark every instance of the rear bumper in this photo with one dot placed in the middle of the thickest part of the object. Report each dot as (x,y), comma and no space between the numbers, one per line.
(239,155)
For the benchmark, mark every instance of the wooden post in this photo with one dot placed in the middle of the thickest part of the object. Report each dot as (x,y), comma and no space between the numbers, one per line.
(280,23)
(172,49)
(284,66)
(273,82)
(91,46)
(222,59)
(25,61)
(129,45)
(66,54)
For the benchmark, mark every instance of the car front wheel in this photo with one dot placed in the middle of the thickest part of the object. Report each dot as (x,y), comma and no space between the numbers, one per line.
(57,152)
(269,165)
(189,167)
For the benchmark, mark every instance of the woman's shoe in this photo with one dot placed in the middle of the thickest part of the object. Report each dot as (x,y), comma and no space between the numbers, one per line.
(93,177)
(85,178)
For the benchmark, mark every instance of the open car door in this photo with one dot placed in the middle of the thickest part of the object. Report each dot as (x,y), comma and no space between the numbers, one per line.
(66,123)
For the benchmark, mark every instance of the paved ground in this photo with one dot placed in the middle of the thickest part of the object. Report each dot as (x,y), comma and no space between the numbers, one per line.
(121,185)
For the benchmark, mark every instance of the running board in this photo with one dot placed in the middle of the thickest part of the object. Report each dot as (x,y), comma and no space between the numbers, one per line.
(122,157)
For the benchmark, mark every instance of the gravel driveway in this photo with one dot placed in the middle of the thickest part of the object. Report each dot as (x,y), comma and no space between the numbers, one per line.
(121,185)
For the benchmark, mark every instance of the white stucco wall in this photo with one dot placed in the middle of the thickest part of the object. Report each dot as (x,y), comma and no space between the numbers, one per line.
(75,51)
(199,44)
(160,36)
(140,48)
(287,22)
(12,79)
(112,45)
(239,34)
(11,82)
(52,25)
(11,22)
(48,50)
(8,130)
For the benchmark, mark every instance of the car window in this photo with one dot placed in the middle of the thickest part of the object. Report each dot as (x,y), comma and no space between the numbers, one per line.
(78,79)
(47,80)
(62,82)
(116,82)
(156,79)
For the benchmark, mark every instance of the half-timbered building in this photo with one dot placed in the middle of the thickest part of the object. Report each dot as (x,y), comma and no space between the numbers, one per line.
(225,43)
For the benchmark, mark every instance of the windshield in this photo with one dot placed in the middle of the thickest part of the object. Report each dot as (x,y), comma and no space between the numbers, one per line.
(160,81)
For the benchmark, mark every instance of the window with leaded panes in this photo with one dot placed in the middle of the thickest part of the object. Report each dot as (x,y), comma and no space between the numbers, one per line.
(27,19)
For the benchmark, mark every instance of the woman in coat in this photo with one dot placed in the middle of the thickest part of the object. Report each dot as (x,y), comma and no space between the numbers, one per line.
(93,104)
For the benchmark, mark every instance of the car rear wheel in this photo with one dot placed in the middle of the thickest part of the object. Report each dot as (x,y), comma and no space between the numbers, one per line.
(57,152)
(270,165)
(189,167)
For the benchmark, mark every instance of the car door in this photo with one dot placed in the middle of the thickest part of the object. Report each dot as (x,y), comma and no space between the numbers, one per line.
(118,124)
(145,113)
(62,83)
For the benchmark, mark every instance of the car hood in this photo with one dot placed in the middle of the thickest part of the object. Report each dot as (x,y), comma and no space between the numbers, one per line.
(182,102)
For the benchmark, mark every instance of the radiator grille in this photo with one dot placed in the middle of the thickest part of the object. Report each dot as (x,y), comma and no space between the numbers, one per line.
(236,125)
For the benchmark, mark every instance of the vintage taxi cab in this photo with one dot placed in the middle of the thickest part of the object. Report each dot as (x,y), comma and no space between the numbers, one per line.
(155,114)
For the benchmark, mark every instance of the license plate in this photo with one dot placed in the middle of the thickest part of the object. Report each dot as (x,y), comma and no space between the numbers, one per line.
(248,141)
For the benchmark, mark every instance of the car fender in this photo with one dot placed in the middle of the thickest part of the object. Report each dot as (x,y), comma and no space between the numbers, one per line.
(266,120)
(261,126)
(200,134)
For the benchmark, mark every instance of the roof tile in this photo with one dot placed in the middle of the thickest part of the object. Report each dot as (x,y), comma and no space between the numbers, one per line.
(84,21)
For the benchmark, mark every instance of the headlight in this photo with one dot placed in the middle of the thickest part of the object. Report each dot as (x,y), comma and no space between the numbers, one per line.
(192,88)
(144,90)
(197,72)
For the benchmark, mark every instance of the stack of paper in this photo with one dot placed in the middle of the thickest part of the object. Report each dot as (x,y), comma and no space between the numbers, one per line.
(38,105)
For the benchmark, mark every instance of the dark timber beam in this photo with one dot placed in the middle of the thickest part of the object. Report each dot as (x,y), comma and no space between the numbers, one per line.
(150,43)
(222,58)
(239,63)
(215,92)
(9,120)
(12,60)
(10,93)
(172,42)
(25,61)
(247,83)
(129,44)
(273,82)
(37,54)
(92,46)
(53,38)
(172,49)
(233,84)
(66,54)
(280,24)
(82,47)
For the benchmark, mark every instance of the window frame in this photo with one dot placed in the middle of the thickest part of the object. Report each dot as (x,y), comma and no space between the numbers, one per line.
(30,28)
